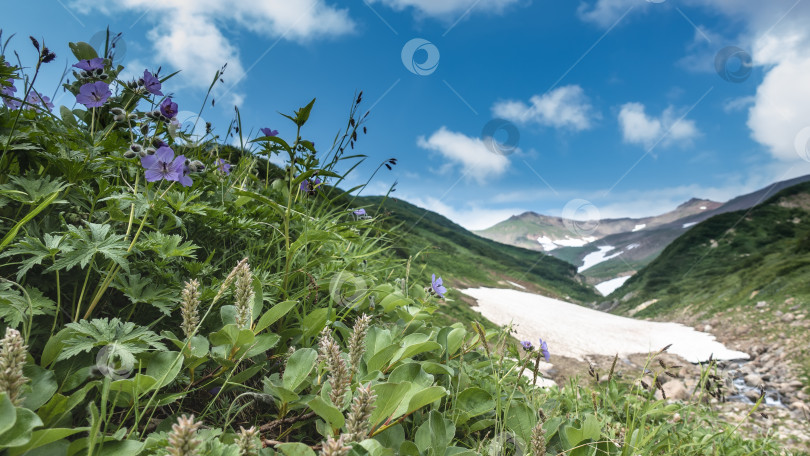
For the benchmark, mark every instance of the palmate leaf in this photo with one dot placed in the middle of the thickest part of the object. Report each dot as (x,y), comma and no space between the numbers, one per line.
(143,290)
(15,306)
(85,243)
(35,251)
(31,188)
(128,338)
(168,245)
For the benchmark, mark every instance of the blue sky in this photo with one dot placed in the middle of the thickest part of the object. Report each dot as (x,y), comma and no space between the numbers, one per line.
(616,102)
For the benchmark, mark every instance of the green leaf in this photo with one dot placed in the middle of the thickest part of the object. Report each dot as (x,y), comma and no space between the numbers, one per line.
(44,437)
(125,339)
(425,397)
(299,365)
(302,115)
(97,239)
(389,396)
(83,51)
(435,434)
(295,449)
(475,401)
(327,411)
(27,218)
(42,386)
(315,321)
(164,367)
(521,419)
(7,414)
(273,315)
(122,448)
(20,433)
(382,357)
(590,430)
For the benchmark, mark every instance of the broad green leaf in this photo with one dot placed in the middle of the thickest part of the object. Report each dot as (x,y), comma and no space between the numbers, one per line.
(425,397)
(122,448)
(299,365)
(475,401)
(521,419)
(20,433)
(44,437)
(382,357)
(590,430)
(164,367)
(315,321)
(411,372)
(273,315)
(327,411)
(42,386)
(83,51)
(295,449)
(7,414)
(435,434)
(389,396)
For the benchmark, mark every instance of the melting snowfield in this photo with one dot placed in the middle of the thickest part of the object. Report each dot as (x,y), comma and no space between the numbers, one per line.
(594,258)
(609,286)
(576,331)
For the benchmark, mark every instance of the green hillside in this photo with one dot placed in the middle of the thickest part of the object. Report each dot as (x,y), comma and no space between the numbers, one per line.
(733,259)
(470,260)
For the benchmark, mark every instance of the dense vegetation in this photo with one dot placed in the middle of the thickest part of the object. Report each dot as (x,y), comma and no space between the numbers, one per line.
(163,294)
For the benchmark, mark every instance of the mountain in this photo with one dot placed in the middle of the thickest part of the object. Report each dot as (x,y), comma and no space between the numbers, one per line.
(618,247)
(464,259)
(739,258)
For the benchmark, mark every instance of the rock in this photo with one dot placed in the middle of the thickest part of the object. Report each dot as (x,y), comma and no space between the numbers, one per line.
(752,395)
(795,384)
(778,313)
(707,328)
(790,301)
(675,390)
(798,405)
(753,379)
(762,305)
(787,318)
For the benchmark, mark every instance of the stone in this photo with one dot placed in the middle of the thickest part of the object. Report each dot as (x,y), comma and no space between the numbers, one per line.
(675,390)
(787,318)
(753,379)
(762,305)
(707,328)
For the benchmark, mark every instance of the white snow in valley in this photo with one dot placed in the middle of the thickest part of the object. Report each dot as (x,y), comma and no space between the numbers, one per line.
(594,258)
(639,227)
(702,208)
(687,225)
(632,246)
(609,286)
(576,331)
(551,244)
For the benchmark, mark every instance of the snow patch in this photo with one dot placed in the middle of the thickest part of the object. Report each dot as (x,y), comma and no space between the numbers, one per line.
(640,227)
(577,331)
(609,286)
(516,285)
(551,244)
(702,208)
(632,246)
(594,258)
(687,225)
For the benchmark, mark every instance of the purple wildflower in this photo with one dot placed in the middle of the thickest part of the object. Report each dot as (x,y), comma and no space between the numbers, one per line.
(151,83)
(309,185)
(168,108)
(163,165)
(91,64)
(223,166)
(359,212)
(527,346)
(93,94)
(184,178)
(34,99)
(436,286)
(6,92)
(544,349)
(269,132)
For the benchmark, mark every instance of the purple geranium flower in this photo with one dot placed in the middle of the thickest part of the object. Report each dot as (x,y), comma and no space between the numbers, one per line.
(527,346)
(223,166)
(544,349)
(436,286)
(93,94)
(34,99)
(309,185)
(163,165)
(151,83)
(359,212)
(6,92)
(269,132)
(168,108)
(184,178)
(91,64)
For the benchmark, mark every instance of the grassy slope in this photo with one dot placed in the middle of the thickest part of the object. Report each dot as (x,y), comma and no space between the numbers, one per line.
(465,259)
(764,251)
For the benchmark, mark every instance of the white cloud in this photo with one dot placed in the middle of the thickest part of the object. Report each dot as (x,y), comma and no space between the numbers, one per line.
(471,217)
(446,8)
(188,35)
(476,160)
(640,128)
(565,107)
(776,34)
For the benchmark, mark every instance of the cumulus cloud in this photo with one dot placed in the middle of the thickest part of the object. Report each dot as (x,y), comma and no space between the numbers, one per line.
(446,8)
(471,217)
(188,35)
(776,33)
(640,128)
(566,107)
(476,160)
